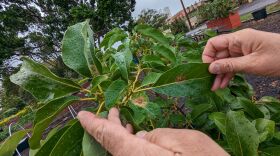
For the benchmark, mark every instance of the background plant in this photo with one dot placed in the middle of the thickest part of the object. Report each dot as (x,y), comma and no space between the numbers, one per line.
(39,36)
(217,9)
(155,80)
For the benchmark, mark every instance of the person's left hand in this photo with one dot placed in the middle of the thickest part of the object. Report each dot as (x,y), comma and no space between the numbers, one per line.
(120,141)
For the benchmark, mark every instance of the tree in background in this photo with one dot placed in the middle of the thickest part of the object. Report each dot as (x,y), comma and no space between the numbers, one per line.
(35,27)
(178,26)
(152,17)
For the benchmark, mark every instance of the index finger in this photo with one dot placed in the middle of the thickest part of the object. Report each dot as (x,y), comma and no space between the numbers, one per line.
(215,45)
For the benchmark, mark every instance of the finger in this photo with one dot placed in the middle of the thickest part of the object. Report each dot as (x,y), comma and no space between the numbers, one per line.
(141,134)
(114,116)
(110,135)
(184,141)
(214,45)
(222,54)
(172,139)
(217,82)
(116,139)
(226,79)
(232,65)
(129,128)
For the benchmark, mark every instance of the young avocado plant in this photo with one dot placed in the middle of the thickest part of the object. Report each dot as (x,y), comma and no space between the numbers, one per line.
(155,80)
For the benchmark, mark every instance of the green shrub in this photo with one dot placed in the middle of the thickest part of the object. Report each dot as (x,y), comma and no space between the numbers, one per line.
(147,75)
(217,9)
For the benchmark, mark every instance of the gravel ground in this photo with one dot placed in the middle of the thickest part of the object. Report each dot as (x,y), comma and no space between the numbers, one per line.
(265,86)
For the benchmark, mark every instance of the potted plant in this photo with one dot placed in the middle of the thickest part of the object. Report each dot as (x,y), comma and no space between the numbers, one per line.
(221,14)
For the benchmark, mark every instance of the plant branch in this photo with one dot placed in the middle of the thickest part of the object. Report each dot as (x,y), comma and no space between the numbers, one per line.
(100,107)
(139,70)
(88,99)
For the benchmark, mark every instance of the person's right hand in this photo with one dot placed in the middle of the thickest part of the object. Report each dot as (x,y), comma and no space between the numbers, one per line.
(247,51)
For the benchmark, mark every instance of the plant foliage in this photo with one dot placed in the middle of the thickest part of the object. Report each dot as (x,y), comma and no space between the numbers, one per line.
(215,9)
(156,80)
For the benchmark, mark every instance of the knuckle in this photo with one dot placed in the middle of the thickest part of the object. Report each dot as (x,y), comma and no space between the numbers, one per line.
(228,67)
(153,136)
(198,136)
(100,133)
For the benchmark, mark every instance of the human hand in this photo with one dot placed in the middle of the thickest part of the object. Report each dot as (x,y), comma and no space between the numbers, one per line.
(120,141)
(247,51)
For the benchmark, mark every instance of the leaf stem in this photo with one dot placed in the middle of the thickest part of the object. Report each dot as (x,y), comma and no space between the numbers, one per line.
(88,99)
(100,107)
(85,90)
(82,81)
(100,89)
(144,89)
(152,124)
(137,77)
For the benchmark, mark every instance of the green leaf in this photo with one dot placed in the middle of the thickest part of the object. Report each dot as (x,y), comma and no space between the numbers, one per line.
(112,37)
(165,52)
(152,59)
(140,99)
(219,119)
(229,99)
(271,151)
(187,88)
(70,143)
(271,103)
(98,80)
(250,108)
(197,110)
(153,110)
(177,119)
(128,114)
(91,147)
(51,142)
(152,33)
(41,82)
(151,78)
(184,72)
(76,49)
(265,111)
(114,92)
(45,115)
(242,136)
(265,129)
(193,56)
(123,61)
(8,147)
(210,33)
(142,108)
(277,135)
(94,59)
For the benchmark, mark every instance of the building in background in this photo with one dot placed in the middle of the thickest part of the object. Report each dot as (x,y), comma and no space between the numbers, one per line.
(192,12)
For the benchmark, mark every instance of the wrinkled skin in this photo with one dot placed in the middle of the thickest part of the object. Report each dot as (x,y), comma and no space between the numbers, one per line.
(246,51)
(120,141)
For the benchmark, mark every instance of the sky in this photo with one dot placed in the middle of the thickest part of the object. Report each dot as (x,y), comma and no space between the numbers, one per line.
(174,5)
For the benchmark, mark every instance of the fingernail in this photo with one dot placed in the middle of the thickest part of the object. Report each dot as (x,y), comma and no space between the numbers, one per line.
(141,134)
(217,68)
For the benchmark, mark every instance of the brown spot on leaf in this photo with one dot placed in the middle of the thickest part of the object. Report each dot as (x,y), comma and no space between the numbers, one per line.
(140,101)
(180,78)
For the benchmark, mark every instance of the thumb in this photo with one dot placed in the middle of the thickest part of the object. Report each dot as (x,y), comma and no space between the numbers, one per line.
(230,65)
(110,135)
